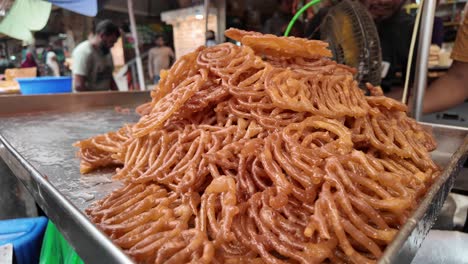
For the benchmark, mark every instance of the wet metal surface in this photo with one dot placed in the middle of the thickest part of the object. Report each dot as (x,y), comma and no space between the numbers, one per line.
(37,148)
(45,141)
(15,200)
(410,237)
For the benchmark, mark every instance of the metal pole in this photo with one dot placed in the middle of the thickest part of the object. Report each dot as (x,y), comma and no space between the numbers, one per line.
(134,77)
(425,36)
(221,7)
(7,52)
(141,77)
(207,13)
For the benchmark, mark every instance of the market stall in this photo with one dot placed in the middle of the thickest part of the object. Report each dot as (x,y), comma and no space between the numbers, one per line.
(40,12)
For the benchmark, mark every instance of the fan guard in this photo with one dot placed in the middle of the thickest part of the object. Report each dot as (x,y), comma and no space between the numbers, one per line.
(354,41)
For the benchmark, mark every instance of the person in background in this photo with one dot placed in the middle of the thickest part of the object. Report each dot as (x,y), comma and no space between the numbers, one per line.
(159,58)
(438,31)
(210,38)
(395,28)
(29,62)
(452,88)
(4,61)
(92,61)
(52,64)
(278,23)
(312,28)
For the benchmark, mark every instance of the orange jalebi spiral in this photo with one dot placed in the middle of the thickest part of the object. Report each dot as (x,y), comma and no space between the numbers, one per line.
(264,153)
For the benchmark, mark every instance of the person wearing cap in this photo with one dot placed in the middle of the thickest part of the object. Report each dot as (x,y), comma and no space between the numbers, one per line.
(92,61)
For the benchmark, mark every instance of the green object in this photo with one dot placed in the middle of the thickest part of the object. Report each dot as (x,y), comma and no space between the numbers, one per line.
(298,14)
(56,250)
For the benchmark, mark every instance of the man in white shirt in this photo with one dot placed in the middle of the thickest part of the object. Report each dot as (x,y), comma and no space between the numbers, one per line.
(52,64)
(159,58)
(92,61)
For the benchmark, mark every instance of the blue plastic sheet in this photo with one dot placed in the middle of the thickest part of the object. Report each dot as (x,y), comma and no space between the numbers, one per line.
(84,7)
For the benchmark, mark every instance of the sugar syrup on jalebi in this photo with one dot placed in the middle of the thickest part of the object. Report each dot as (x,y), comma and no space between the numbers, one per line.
(264,153)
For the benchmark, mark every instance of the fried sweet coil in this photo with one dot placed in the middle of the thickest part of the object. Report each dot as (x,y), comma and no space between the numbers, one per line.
(183,68)
(250,100)
(96,152)
(264,153)
(210,94)
(262,229)
(230,62)
(178,159)
(280,46)
(169,104)
(143,109)
(330,96)
(322,65)
(152,225)
(391,133)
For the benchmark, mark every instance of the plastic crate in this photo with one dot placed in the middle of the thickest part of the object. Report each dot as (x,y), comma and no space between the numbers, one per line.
(26,236)
(45,85)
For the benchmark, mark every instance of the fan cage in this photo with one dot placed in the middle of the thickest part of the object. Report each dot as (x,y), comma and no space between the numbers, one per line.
(367,60)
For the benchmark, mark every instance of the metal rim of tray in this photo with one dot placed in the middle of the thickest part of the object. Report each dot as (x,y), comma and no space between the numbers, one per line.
(98,247)
(48,197)
(404,246)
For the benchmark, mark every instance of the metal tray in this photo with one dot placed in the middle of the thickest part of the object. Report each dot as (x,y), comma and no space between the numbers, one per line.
(451,153)
(36,133)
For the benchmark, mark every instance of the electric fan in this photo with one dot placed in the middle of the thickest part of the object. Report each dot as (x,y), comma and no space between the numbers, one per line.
(350,30)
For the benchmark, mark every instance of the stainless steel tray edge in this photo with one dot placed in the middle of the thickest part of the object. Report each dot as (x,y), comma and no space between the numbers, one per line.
(95,246)
(412,234)
(68,102)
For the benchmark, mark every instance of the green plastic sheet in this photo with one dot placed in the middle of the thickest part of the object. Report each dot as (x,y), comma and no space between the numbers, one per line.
(56,250)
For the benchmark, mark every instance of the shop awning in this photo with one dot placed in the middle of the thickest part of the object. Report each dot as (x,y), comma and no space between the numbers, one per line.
(84,7)
(25,16)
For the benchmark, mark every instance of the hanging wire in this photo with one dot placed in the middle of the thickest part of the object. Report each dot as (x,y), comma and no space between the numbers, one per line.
(298,14)
(404,98)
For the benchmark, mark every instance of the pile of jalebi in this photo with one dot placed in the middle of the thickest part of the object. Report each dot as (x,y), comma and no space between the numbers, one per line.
(262,153)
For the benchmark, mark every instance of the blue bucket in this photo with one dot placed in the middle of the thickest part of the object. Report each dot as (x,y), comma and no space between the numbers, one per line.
(45,85)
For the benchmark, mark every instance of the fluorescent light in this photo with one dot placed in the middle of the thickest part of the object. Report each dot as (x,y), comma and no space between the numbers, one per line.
(199,16)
